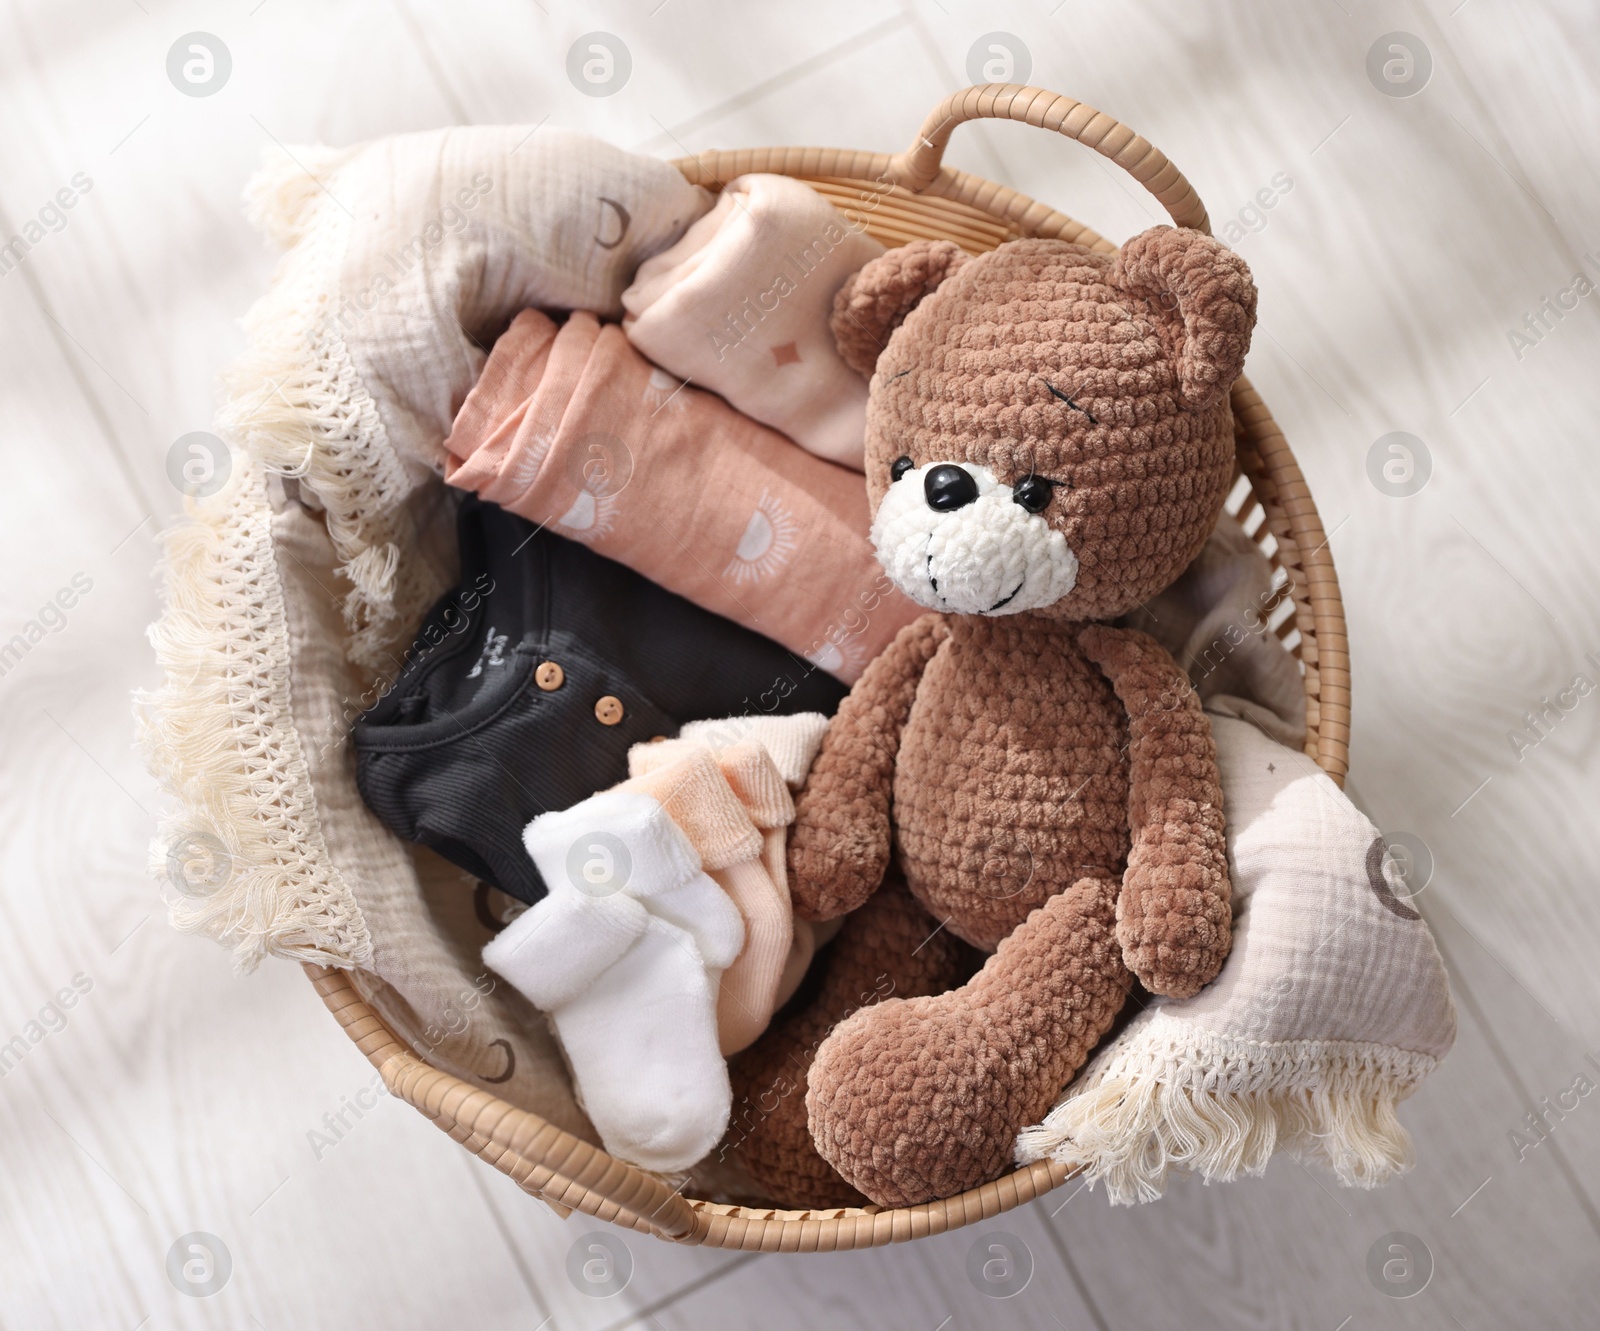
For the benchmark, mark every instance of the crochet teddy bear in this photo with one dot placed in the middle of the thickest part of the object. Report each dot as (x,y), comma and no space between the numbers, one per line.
(1049,442)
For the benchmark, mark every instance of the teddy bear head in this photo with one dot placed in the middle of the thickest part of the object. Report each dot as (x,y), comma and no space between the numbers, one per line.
(1048,427)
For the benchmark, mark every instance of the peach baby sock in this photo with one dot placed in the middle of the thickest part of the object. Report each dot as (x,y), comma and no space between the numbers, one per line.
(698,796)
(750,986)
(573,428)
(754,777)
(740,305)
(792,743)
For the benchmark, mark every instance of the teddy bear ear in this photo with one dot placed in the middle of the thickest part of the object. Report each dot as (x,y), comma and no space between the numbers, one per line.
(1201,297)
(875,301)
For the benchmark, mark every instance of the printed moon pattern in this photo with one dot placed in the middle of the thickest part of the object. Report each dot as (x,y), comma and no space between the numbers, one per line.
(767,543)
(590,517)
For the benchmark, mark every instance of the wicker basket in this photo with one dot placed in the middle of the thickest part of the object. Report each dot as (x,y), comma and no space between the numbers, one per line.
(899,198)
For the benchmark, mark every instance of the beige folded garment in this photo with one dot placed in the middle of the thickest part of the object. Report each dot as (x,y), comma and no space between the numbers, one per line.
(740,306)
(1215,620)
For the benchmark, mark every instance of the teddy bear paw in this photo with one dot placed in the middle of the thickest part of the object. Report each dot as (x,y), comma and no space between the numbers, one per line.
(833,869)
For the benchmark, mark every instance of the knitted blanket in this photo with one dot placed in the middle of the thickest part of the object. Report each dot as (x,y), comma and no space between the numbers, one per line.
(293,591)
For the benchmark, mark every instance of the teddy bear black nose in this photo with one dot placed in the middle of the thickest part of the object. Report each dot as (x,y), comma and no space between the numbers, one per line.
(949,487)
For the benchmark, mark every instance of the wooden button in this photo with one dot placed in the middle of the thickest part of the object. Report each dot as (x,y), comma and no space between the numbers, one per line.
(549,676)
(608,711)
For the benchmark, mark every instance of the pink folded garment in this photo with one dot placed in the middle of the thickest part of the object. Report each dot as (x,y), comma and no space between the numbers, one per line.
(573,428)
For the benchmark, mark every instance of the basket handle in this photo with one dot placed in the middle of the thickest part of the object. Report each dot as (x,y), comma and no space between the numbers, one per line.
(919,165)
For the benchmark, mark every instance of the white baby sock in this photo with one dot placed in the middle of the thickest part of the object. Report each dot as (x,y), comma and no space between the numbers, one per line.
(613,954)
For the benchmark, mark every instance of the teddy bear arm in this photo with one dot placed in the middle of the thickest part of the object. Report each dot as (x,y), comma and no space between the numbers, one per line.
(1174,919)
(840,841)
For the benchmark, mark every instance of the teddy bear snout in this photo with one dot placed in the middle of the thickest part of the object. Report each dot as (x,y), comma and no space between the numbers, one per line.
(948,487)
(953,538)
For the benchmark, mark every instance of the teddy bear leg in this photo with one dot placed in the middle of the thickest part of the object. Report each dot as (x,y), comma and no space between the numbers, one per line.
(891,946)
(923,1098)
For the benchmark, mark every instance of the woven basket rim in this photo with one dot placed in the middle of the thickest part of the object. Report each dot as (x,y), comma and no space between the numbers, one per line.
(898,195)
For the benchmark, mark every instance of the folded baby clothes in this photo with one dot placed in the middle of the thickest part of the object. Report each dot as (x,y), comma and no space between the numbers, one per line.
(747,789)
(572,427)
(530,681)
(623,954)
(740,305)
(1216,620)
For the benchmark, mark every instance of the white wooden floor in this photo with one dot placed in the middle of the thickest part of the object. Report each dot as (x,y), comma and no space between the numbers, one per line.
(1416,232)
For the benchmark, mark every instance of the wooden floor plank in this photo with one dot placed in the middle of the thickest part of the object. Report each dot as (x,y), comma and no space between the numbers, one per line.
(1004,1272)
(1290,1250)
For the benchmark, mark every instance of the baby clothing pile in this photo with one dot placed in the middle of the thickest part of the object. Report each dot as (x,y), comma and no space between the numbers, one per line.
(660,603)
(529,683)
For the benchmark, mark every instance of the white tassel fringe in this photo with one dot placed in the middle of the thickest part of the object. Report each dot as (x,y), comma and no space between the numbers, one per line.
(1167,1095)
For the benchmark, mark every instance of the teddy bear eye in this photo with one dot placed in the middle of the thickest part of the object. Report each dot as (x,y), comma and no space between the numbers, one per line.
(1033,493)
(899,467)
